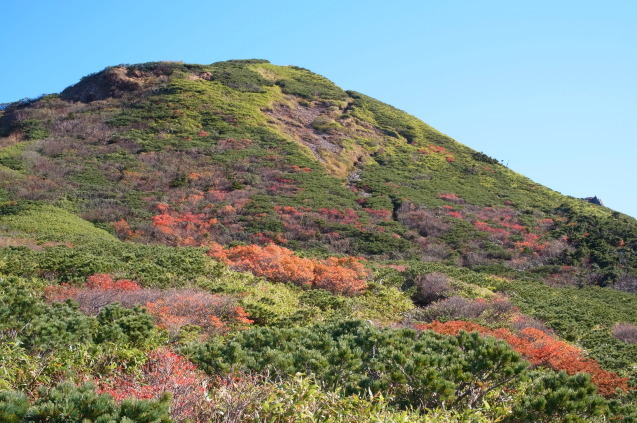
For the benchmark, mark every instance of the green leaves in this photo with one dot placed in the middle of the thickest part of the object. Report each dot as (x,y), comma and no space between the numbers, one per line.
(125,325)
(67,403)
(412,369)
(555,397)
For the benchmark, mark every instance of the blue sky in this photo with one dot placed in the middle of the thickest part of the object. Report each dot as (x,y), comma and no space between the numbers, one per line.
(548,86)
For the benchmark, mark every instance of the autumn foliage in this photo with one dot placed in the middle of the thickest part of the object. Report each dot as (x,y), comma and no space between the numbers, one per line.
(172,309)
(541,349)
(345,275)
(165,372)
(211,312)
(182,228)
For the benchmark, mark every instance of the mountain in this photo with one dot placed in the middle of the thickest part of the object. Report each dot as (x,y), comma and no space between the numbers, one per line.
(251,206)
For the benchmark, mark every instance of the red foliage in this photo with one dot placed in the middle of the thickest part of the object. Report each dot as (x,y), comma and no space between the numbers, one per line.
(451,197)
(97,282)
(123,229)
(380,214)
(436,149)
(60,293)
(165,371)
(348,216)
(172,309)
(541,349)
(213,313)
(105,282)
(399,267)
(342,275)
(183,228)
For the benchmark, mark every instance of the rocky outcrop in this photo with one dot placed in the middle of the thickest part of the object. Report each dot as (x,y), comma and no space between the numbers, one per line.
(113,82)
(594,200)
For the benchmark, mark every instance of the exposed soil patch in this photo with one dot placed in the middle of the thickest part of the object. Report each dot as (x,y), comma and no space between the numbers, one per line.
(326,130)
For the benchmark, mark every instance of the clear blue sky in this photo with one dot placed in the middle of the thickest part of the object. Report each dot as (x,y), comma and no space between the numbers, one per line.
(548,86)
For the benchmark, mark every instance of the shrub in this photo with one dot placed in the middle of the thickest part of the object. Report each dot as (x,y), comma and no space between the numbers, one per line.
(127,325)
(72,404)
(60,325)
(165,372)
(411,369)
(481,157)
(172,309)
(325,125)
(542,349)
(339,275)
(430,287)
(213,313)
(625,332)
(452,308)
(559,397)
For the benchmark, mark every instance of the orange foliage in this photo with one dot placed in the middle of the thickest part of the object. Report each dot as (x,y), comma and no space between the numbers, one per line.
(182,228)
(541,349)
(213,313)
(105,282)
(98,282)
(123,229)
(342,275)
(165,371)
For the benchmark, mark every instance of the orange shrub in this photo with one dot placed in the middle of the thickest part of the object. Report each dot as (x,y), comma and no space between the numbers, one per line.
(213,313)
(541,349)
(340,275)
(165,371)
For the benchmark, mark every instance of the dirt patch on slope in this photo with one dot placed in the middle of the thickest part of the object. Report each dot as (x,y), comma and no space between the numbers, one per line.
(327,130)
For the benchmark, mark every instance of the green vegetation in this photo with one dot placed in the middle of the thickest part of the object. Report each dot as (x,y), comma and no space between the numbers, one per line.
(250,240)
(68,403)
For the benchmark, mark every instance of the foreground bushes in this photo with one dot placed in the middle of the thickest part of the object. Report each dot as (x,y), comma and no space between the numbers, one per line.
(67,403)
(411,370)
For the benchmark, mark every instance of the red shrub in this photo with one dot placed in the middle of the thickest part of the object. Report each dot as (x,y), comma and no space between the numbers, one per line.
(105,282)
(213,313)
(342,275)
(183,229)
(166,371)
(451,197)
(541,349)
(172,309)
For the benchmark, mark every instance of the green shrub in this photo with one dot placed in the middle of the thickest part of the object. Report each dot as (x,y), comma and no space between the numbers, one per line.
(60,325)
(125,325)
(67,403)
(412,369)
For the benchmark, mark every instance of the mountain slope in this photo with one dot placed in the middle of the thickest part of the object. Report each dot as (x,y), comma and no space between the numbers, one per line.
(272,153)
(241,193)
